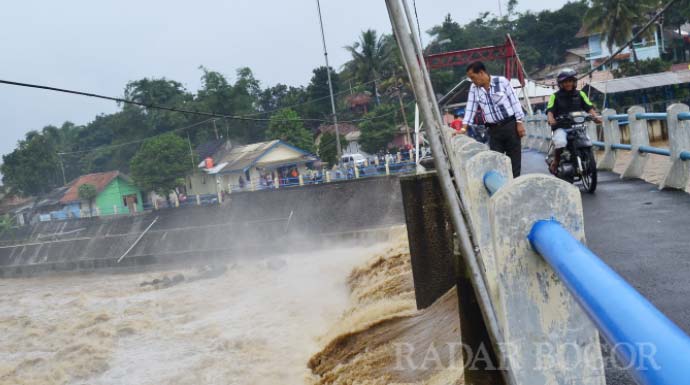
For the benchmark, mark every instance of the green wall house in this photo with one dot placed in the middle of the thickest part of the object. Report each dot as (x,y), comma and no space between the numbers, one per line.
(116,194)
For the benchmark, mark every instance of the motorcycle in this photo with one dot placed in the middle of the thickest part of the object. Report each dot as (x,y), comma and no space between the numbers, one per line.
(577,163)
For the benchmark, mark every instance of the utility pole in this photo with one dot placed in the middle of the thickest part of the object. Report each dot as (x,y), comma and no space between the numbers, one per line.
(330,85)
(191,153)
(215,128)
(62,167)
(404,116)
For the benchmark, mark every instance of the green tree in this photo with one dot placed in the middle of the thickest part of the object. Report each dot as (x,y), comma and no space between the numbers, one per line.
(318,93)
(88,193)
(33,168)
(6,223)
(161,163)
(161,92)
(649,66)
(328,151)
(371,58)
(287,126)
(616,19)
(379,128)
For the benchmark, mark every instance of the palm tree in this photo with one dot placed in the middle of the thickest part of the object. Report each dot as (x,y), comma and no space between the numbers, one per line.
(371,57)
(88,193)
(617,18)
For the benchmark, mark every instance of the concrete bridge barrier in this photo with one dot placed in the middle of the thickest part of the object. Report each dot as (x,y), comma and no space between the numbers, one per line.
(677,117)
(638,138)
(679,142)
(550,322)
(538,300)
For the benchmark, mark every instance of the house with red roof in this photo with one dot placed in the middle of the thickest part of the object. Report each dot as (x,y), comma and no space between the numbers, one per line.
(116,194)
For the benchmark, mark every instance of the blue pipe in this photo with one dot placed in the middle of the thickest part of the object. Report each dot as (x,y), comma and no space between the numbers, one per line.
(655,150)
(597,143)
(685,155)
(493,180)
(617,117)
(620,146)
(684,116)
(656,350)
(651,115)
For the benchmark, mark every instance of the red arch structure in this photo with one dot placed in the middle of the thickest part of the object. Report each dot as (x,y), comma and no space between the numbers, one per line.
(506,52)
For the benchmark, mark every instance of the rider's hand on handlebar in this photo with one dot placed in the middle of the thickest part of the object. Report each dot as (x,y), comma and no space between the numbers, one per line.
(597,119)
(551,120)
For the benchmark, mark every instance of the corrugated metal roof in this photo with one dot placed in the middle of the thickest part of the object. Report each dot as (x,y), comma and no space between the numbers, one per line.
(633,83)
(239,158)
(53,197)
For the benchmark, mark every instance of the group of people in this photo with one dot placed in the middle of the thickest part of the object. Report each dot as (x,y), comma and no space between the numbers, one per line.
(495,100)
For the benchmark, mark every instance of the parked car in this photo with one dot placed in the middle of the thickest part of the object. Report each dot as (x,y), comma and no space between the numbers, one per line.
(353,159)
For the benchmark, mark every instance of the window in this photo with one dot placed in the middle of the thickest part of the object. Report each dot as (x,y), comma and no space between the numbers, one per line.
(133,197)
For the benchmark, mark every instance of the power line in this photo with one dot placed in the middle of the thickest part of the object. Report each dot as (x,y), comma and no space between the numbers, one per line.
(247,117)
(109,146)
(635,36)
(146,105)
(416,16)
(394,111)
(310,100)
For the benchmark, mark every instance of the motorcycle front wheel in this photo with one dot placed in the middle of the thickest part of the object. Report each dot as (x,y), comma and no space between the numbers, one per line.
(589,170)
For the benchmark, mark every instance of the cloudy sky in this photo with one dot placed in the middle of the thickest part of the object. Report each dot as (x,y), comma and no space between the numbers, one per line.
(98,46)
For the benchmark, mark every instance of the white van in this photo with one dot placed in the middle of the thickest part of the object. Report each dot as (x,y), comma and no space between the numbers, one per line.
(353,159)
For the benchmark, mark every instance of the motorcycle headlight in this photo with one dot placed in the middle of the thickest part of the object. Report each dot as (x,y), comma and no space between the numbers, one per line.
(579,119)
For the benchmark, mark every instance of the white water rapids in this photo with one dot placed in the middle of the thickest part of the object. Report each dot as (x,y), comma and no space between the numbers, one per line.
(258,323)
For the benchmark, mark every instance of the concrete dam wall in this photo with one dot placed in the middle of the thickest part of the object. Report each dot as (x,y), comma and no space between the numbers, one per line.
(261,222)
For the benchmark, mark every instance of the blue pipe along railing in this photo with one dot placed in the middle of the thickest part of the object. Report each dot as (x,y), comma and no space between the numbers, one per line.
(655,348)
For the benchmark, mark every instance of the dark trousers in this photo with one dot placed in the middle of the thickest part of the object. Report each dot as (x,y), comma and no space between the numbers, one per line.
(504,139)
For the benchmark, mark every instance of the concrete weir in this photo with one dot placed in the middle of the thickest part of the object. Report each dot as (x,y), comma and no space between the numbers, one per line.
(430,235)
(249,223)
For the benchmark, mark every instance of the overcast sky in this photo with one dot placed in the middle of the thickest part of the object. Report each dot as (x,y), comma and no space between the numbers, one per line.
(98,46)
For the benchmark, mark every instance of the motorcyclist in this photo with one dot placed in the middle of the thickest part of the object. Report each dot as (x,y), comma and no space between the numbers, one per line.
(564,101)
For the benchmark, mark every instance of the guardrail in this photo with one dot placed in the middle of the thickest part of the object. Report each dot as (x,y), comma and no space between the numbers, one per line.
(538,330)
(327,176)
(549,289)
(621,314)
(677,118)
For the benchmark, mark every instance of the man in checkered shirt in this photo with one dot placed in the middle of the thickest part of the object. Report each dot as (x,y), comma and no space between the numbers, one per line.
(502,112)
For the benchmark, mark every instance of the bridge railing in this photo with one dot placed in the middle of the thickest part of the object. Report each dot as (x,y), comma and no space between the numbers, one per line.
(677,118)
(553,296)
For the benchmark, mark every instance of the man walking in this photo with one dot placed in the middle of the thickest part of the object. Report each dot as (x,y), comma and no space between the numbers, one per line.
(502,112)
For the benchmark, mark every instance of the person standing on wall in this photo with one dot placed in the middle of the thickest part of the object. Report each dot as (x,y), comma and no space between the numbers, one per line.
(502,112)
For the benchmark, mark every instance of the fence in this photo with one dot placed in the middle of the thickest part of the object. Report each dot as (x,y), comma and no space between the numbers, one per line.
(365,170)
(677,118)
